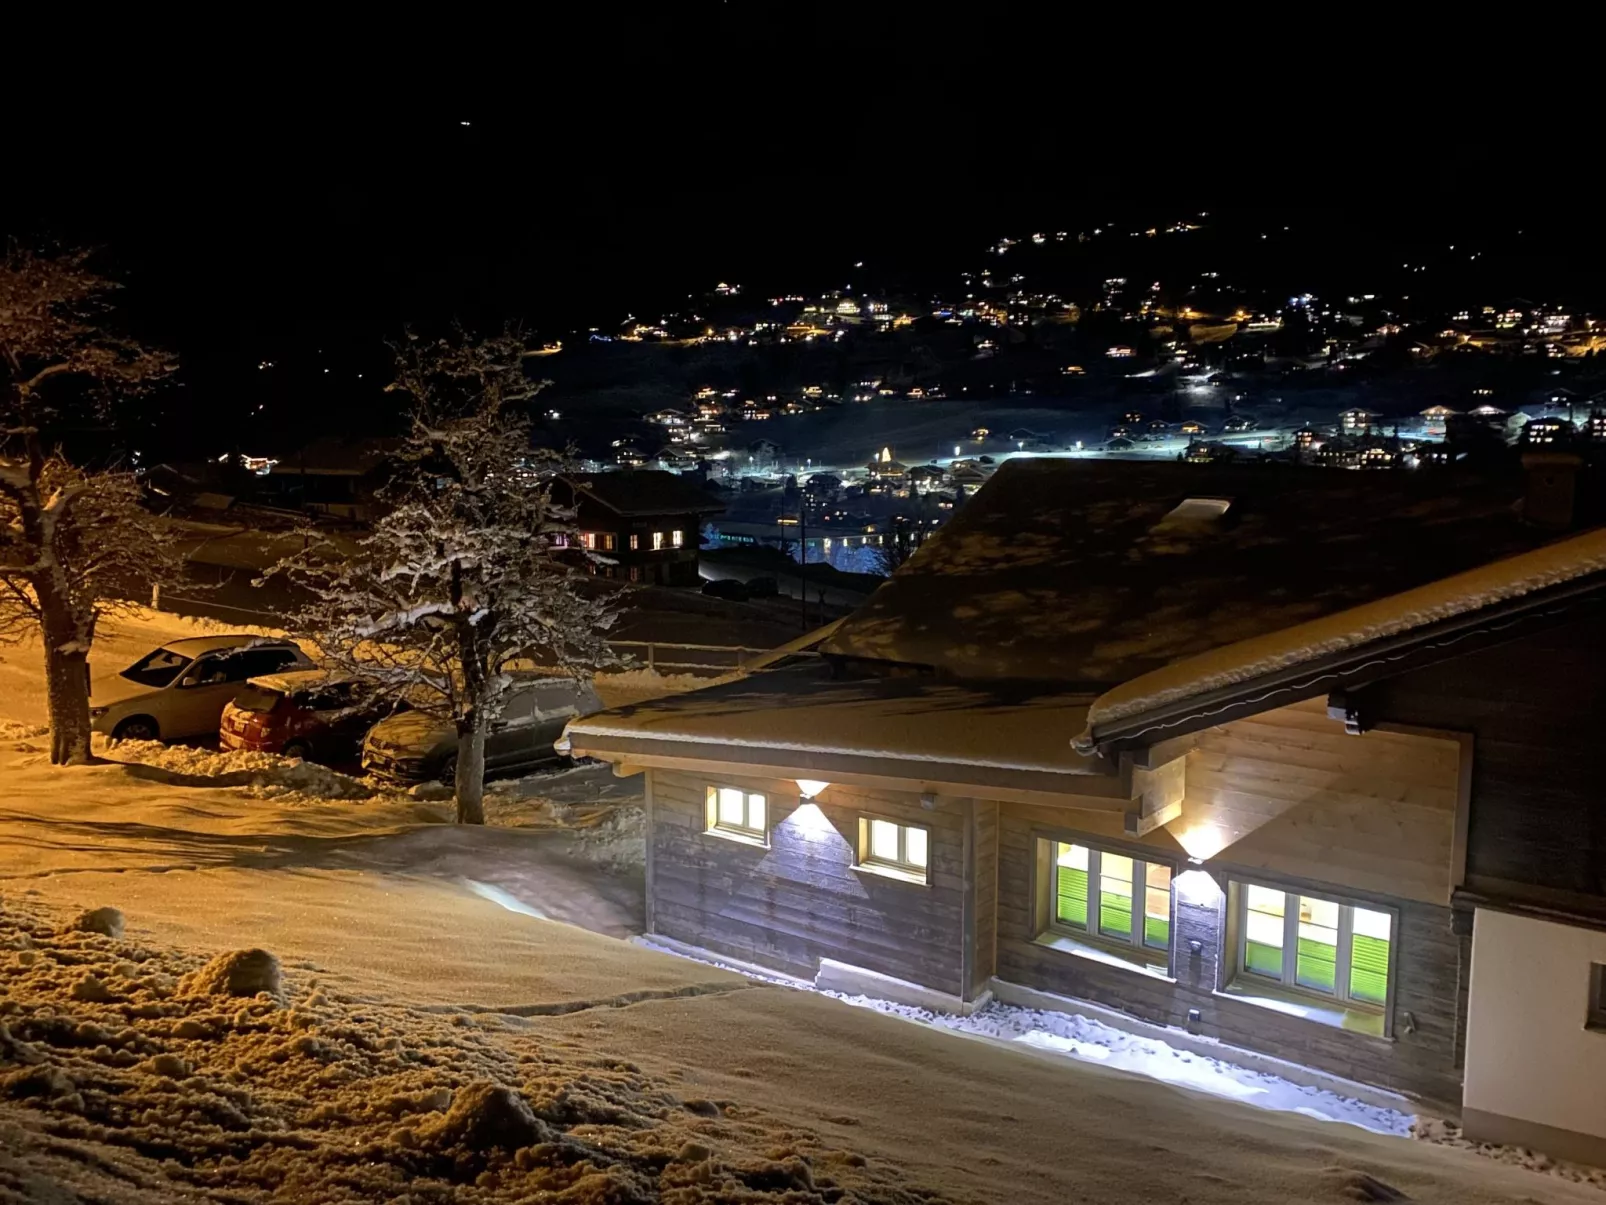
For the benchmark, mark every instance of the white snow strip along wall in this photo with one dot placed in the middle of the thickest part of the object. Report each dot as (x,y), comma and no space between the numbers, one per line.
(1461,594)
(1529,1055)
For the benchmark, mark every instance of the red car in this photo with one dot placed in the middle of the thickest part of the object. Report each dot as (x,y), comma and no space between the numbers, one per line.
(310,714)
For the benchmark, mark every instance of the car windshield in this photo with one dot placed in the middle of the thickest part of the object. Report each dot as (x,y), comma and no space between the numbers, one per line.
(257,698)
(159,668)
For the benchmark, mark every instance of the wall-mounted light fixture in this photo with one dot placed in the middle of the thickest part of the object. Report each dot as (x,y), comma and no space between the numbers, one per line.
(810,788)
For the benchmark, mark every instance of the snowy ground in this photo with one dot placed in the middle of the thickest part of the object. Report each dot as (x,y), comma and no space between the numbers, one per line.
(418,963)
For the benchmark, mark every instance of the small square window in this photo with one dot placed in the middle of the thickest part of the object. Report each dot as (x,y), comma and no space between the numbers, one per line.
(902,851)
(738,814)
(1597,996)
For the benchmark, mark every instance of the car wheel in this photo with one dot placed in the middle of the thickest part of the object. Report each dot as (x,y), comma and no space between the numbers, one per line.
(137,728)
(301,749)
(448,771)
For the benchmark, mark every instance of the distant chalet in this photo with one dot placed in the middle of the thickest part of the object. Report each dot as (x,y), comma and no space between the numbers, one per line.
(646,524)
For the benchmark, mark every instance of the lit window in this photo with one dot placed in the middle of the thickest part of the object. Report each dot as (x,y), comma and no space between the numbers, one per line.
(740,815)
(657,541)
(899,850)
(1314,945)
(589,539)
(1112,896)
(635,541)
(607,541)
(677,538)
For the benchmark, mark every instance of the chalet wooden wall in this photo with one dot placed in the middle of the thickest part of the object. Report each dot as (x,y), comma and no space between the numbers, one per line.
(1422,1058)
(1536,707)
(984,875)
(1290,792)
(801,899)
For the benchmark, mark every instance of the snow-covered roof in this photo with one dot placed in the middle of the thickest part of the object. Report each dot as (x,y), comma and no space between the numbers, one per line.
(648,492)
(194,646)
(803,717)
(1064,570)
(1350,631)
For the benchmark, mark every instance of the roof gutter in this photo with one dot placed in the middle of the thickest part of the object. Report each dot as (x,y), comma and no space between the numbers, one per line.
(1302,681)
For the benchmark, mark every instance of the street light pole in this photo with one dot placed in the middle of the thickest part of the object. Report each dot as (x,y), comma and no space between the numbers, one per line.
(803,554)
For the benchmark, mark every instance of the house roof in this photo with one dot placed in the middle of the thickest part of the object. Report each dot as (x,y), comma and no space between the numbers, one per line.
(800,716)
(1305,656)
(334,456)
(1070,570)
(647,492)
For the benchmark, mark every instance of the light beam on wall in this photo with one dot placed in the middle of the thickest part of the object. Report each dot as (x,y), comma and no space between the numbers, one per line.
(1202,839)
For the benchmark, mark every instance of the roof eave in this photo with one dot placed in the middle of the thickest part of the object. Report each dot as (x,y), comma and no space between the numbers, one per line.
(1407,650)
(1102,789)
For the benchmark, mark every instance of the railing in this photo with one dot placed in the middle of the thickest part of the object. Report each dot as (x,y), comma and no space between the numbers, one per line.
(710,659)
(719,658)
(174,604)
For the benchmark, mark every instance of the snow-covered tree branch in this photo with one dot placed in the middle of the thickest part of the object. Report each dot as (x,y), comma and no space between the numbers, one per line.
(72,543)
(464,580)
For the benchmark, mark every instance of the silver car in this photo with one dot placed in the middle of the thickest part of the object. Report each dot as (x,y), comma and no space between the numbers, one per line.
(179,691)
(413,746)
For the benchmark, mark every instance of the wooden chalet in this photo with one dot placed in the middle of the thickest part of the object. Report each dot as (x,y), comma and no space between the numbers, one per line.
(1305,763)
(644,524)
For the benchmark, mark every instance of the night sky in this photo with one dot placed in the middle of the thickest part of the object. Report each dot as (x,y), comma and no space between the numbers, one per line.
(291,230)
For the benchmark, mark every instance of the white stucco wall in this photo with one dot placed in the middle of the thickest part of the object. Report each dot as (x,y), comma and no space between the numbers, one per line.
(1528,1053)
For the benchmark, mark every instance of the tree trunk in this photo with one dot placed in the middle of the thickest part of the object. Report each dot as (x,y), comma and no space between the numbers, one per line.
(470,784)
(67,690)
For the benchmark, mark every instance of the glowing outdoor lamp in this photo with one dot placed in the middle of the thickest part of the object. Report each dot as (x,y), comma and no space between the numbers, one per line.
(809,788)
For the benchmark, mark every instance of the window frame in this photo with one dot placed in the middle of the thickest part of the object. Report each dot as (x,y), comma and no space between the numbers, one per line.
(677,538)
(898,868)
(744,832)
(657,541)
(1134,944)
(1595,1015)
(1340,998)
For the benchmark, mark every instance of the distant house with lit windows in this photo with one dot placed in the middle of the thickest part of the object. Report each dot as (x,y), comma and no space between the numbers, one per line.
(645,524)
(1232,749)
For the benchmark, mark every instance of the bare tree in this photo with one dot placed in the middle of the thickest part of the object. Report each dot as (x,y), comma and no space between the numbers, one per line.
(462,581)
(74,542)
(896,547)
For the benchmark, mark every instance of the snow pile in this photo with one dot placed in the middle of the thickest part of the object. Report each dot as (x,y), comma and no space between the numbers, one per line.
(600,814)
(638,685)
(263,775)
(1092,1041)
(13,730)
(614,842)
(1246,660)
(1447,1133)
(169,1081)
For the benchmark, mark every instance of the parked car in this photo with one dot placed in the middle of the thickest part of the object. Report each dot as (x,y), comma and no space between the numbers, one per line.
(762,587)
(307,713)
(180,690)
(727,588)
(415,746)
